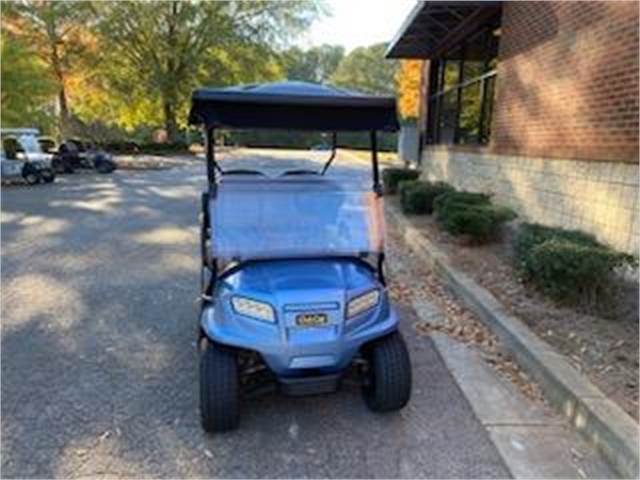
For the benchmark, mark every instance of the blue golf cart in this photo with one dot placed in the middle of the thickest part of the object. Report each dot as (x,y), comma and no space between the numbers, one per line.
(293,288)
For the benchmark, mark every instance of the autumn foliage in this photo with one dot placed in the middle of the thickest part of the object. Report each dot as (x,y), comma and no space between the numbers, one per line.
(409,76)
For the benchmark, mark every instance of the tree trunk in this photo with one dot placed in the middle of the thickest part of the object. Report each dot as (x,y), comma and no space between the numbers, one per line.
(170,123)
(170,95)
(56,64)
(63,120)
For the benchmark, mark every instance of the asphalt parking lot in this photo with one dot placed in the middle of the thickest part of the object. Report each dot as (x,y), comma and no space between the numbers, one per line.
(100,370)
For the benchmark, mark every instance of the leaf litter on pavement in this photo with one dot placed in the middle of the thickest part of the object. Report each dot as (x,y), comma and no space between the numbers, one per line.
(412,279)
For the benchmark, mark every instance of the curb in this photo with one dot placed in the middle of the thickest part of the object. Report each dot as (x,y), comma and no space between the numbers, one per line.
(602,422)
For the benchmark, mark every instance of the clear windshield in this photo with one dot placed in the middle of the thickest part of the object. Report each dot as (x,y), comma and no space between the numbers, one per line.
(275,218)
(30,144)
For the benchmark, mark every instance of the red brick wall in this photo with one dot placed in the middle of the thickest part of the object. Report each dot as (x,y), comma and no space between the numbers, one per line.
(567,82)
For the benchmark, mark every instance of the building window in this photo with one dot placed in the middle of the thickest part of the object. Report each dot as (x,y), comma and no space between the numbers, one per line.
(461,90)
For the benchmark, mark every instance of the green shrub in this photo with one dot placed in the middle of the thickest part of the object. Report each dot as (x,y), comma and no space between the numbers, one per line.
(164,148)
(391,177)
(575,272)
(472,214)
(417,197)
(530,235)
(455,198)
(481,222)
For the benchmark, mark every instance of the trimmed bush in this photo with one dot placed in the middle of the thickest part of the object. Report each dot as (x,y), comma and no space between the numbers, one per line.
(417,197)
(391,177)
(164,148)
(575,272)
(530,235)
(471,214)
(481,222)
(454,198)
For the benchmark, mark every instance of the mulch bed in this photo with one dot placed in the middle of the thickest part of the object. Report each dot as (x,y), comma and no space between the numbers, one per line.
(604,349)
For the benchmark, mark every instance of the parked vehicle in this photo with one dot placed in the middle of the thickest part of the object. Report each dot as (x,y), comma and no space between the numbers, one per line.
(22,159)
(76,154)
(292,281)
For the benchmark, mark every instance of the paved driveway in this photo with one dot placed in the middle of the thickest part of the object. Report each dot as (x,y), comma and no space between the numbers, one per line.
(99,366)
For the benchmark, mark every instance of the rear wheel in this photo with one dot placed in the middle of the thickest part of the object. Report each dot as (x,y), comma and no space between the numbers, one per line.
(61,165)
(219,388)
(388,385)
(105,166)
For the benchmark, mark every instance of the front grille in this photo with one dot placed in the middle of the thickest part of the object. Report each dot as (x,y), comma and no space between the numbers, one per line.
(311,307)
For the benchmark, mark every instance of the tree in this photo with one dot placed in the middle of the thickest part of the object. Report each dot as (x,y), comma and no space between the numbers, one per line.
(365,69)
(316,64)
(155,53)
(54,32)
(409,77)
(27,87)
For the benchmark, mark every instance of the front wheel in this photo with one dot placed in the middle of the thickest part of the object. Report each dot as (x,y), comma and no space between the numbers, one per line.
(219,388)
(47,175)
(388,385)
(30,174)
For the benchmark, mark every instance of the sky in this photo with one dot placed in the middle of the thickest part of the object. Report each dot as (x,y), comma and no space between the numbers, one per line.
(355,23)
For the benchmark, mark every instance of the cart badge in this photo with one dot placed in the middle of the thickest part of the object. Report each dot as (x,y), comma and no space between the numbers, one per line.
(311,319)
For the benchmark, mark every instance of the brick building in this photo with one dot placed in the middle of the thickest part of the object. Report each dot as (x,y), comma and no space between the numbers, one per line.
(535,102)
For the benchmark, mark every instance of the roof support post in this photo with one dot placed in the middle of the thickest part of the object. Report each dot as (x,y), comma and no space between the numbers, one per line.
(374,163)
(212,165)
(210,153)
(334,146)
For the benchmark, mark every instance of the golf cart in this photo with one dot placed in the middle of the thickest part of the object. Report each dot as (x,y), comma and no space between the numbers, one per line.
(292,282)
(76,154)
(22,159)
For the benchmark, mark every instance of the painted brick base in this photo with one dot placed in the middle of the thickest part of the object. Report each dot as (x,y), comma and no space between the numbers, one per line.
(596,197)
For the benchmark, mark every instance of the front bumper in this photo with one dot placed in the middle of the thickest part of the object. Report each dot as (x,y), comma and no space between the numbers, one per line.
(292,352)
(314,385)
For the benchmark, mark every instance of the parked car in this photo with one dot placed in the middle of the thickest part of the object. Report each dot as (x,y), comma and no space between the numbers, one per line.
(77,154)
(293,290)
(22,158)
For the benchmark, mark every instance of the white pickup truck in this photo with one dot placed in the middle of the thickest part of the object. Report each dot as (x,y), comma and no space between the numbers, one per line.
(22,158)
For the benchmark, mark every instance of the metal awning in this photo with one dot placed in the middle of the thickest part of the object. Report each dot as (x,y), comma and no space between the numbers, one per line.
(433,27)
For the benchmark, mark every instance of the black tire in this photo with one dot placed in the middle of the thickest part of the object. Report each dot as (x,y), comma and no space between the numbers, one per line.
(30,174)
(61,165)
(388,386)
(219,388)
(105,166)
(47,175)
(58,165)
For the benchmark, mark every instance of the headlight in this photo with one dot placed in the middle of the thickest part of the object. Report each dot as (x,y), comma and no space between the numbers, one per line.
(363,302)
(254,309)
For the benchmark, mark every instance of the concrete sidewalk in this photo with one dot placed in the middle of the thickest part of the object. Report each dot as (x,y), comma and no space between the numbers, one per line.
(596,417)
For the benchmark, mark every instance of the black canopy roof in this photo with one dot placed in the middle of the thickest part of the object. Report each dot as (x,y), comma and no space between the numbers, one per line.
(292,106)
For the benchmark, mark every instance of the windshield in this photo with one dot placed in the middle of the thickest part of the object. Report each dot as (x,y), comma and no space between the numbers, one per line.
(29,143)
(295,217)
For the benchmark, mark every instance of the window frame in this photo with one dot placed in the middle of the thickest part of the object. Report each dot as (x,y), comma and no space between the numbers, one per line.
(437,91)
